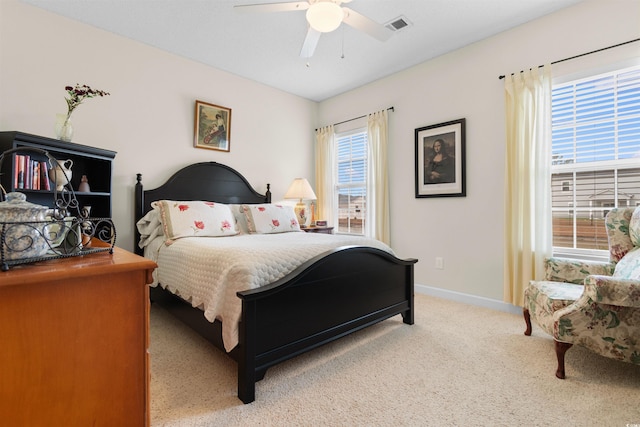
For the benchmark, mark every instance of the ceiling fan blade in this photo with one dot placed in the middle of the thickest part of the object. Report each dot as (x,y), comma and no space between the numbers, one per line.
(272,7)
(310,43)
(366,25)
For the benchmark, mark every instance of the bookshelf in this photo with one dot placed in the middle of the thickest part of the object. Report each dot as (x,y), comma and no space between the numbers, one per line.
(94,163)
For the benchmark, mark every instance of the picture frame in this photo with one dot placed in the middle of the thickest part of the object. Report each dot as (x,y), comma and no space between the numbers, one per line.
(440,160)
(212,128)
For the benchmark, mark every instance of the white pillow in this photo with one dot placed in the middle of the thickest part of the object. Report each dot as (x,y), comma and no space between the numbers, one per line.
(240,217)
(195,218)
(268,218)
(150,227)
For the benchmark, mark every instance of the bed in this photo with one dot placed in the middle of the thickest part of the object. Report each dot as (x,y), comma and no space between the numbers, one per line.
(325,297)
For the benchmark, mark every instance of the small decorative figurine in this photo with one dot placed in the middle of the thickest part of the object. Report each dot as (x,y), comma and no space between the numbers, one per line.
(84,184)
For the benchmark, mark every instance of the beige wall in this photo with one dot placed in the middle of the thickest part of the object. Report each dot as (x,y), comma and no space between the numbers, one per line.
(148,119)
(467,232)
(149,116)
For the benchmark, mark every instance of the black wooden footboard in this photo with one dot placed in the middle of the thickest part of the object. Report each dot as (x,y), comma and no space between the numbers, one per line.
(327,298)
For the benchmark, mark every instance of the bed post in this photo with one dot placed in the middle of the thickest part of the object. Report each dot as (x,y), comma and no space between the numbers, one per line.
(139,211)
(247,353)
(407,317)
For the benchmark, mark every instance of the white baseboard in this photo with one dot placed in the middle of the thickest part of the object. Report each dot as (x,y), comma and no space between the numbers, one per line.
(467,299)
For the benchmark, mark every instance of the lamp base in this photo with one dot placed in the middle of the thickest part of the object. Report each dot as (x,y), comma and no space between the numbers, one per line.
(301,213)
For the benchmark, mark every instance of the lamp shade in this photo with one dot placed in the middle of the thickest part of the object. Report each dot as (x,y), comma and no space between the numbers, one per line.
(324,16)
(301,190)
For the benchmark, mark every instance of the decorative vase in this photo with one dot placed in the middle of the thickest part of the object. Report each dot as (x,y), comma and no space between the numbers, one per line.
(84,185)
(64,128)
(60,173)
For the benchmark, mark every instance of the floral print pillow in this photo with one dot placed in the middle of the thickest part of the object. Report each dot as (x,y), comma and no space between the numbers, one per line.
(195,218)
(268,218)
(634,227)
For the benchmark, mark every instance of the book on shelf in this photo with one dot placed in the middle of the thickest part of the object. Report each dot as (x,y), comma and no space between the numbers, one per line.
(16,163)
(21,164)
(30,174)
(35,184)
(45,184)
(28,170)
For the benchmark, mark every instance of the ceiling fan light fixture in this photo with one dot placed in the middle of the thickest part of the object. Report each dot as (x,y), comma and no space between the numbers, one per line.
(324,16)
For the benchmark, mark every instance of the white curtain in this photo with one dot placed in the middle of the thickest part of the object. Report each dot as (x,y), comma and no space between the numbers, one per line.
(325,173)
(527,226)
(377,215)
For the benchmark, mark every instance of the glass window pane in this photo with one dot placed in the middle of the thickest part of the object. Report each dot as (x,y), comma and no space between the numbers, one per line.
(629,93)
(595,123)
(629,137)
(351,210)
(562,190)
(591,233)
(590,230)
(563,146)
(594,99)
(563,228)
(595,189)
(595,142)
(351,186)
(629,187)
(562,106)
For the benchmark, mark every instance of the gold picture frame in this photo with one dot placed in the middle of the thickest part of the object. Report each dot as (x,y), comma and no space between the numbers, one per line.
(212,129)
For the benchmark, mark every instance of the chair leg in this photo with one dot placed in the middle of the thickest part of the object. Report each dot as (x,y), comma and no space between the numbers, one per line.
(561,349)
(527,320)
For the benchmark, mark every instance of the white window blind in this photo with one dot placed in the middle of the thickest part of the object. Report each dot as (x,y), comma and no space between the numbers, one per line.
(595,157)
(351,183)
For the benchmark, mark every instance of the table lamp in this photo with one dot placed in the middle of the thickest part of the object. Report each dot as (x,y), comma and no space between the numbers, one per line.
(301,190)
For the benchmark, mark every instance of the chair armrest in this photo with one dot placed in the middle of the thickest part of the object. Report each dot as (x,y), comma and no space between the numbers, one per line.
(613,291)
(568,270)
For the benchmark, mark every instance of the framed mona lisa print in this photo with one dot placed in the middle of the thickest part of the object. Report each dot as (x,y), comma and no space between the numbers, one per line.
(440,160)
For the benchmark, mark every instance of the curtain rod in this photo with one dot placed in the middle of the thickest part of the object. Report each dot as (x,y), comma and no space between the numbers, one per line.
(584,54)
(356,118)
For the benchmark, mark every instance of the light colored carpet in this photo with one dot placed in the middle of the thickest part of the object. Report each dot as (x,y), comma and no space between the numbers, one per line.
(458,365)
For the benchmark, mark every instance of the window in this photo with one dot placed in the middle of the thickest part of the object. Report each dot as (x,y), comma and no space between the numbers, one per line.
(351,183)
(595,157)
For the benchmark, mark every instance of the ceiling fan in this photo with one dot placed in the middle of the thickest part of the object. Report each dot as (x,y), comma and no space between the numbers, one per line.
(323,16)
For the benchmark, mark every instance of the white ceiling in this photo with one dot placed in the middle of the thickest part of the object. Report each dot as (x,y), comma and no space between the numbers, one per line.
(265,47)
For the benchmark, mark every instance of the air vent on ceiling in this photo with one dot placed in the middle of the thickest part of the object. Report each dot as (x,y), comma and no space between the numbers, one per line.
(397,24)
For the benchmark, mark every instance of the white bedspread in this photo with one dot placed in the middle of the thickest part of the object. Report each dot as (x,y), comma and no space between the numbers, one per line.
(208,271)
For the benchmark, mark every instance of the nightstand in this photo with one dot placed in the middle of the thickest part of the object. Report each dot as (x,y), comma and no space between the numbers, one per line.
(325,230)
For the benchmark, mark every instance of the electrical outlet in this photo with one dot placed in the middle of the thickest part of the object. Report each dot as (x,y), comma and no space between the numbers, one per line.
(439,263)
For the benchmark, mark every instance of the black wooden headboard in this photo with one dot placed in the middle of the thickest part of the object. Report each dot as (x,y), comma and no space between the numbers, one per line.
(210,181)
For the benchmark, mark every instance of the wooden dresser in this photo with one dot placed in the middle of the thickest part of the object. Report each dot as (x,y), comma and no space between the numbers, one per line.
(74,339)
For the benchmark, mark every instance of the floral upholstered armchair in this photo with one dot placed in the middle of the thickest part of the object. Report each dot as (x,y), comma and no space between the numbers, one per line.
(595,305)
